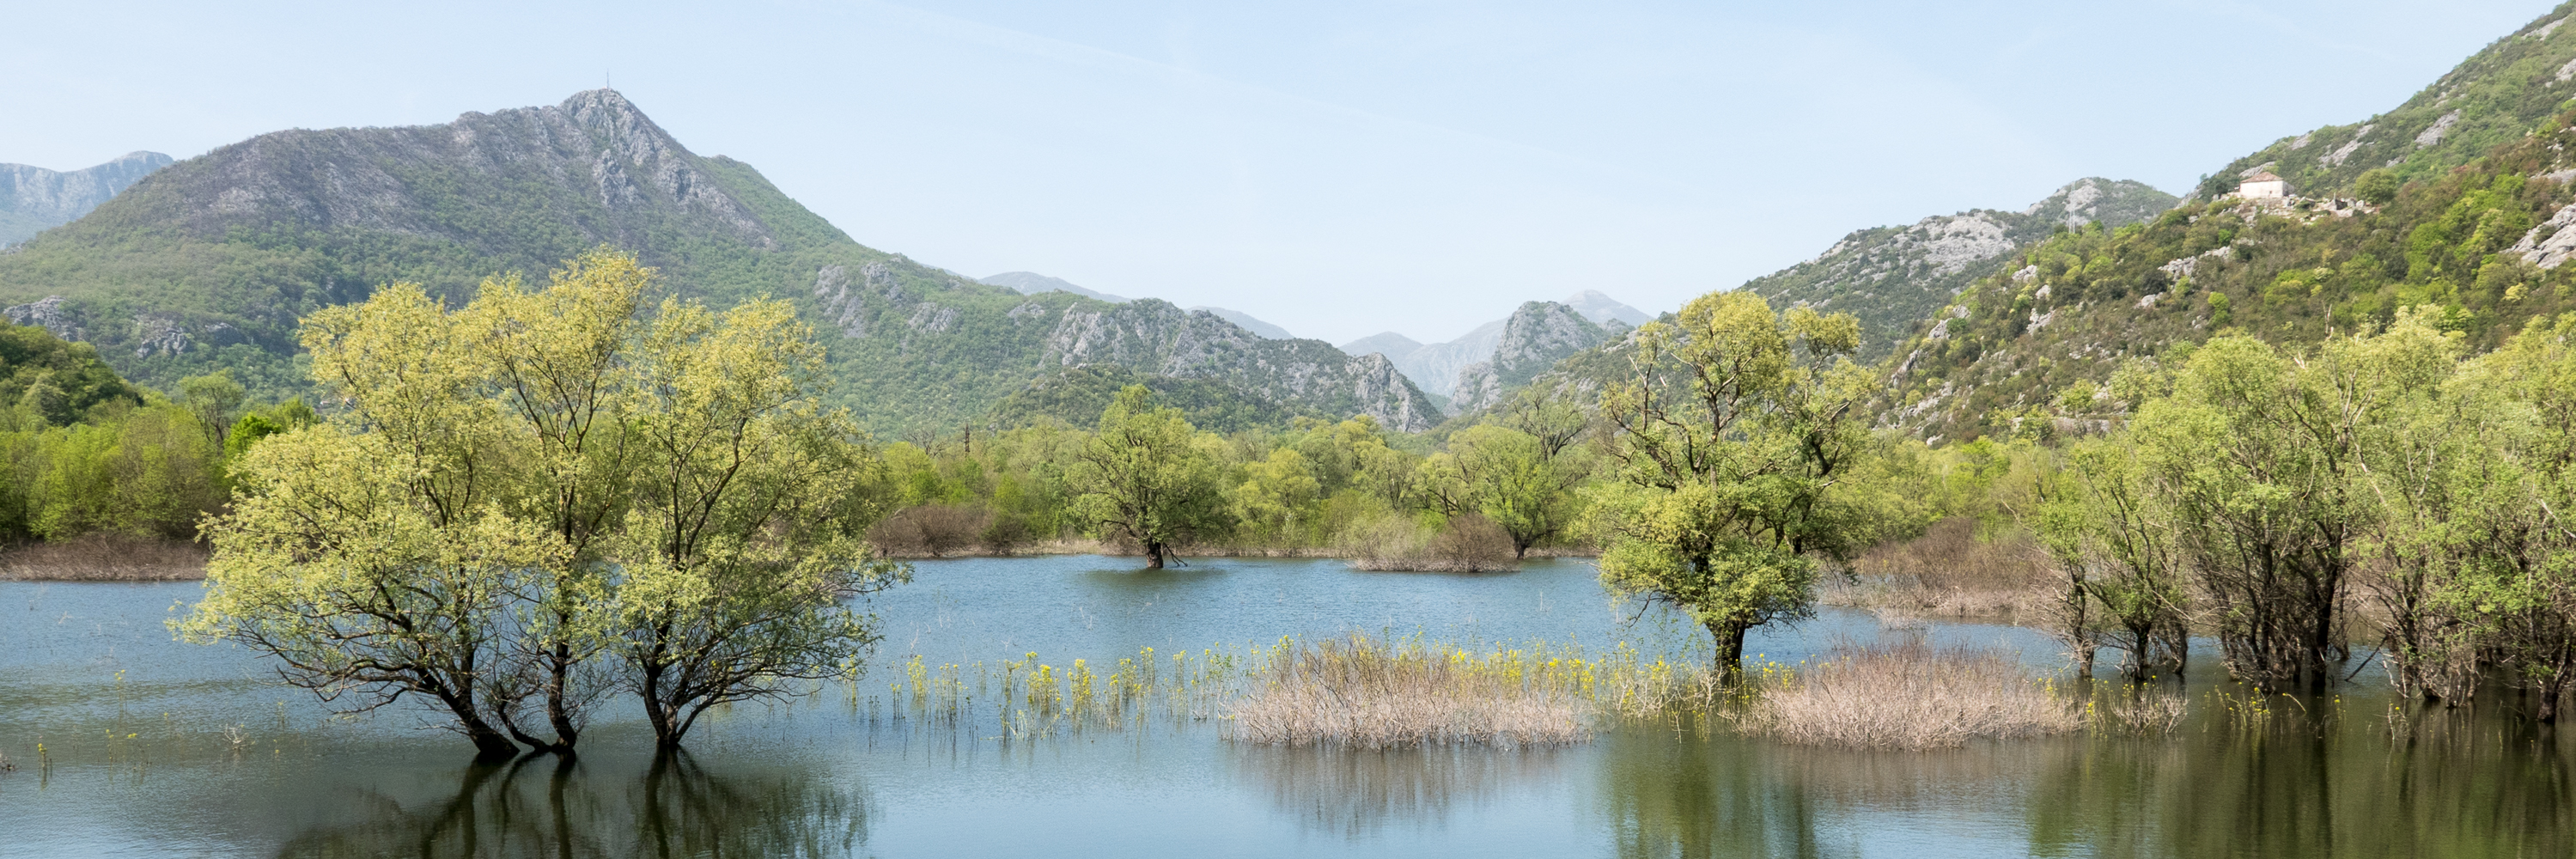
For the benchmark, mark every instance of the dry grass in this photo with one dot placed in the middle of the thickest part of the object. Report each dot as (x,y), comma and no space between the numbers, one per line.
(1910,696)
(1361,694)
(105,558)
(1948,572)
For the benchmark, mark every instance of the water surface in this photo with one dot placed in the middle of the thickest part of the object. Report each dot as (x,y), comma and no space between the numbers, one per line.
(166,749)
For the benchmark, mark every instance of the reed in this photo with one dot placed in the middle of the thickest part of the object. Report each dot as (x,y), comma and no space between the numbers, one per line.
(1910,696)
(1360,693)
(1374,693)
(102,557)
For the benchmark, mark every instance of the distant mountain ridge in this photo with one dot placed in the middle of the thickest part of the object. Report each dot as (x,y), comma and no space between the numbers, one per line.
(1435,366)
(33,199)
(1600,308)
(1032,283)
(209,263)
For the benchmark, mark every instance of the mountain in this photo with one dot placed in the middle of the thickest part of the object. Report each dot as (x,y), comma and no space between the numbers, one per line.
(209,262)
(1388,343)
(1032,283)
(1892,277)
(1534,339)
(33,199)
(1600,308)
(2458,199)
(1152,336)
(1256,326)
(1435,366)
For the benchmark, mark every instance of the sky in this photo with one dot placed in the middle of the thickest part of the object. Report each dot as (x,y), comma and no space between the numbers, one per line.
(1337,168)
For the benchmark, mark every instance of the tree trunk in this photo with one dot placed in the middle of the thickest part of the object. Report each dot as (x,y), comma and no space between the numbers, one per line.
(1730,651)
(489,744)
(559,711)
(656,714)
(1153,556)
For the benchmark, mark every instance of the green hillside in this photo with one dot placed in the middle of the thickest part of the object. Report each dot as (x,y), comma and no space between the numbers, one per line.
(209,263)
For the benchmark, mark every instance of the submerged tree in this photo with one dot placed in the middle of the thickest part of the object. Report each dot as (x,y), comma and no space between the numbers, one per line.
(2261,458)
(2117,548)
(522,487)
(737,552)
(1729,495)
(367,553)
(1143,479)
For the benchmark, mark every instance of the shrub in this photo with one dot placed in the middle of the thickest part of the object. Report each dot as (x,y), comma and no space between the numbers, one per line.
(932,530)
(1467,543)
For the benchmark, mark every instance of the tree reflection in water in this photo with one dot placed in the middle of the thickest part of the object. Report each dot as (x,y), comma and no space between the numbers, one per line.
(1357,794)
(1686,792)
(548,807)
(2359,782)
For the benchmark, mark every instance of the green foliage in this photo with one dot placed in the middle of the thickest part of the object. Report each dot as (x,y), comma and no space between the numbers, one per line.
(1146,481)
(2260,488)
(59,383)
(140,472)
(1728,497)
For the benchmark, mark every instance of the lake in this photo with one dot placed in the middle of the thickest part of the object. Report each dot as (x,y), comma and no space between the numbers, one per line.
(153,747)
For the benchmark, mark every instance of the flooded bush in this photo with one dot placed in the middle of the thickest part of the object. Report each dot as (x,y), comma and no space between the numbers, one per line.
(1910,696)
(1468,543)
(1360,693)
(931,530)
(1950,571)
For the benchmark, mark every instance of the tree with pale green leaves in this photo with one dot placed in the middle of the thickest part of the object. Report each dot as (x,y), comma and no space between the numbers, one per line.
(1729,496)
(544,492)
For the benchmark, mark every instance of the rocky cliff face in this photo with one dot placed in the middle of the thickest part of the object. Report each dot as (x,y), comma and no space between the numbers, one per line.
(1892,278)
(1535,338)
(34,198)
(1152,336)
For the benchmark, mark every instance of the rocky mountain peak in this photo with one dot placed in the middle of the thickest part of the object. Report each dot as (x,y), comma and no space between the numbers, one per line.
(1537,335)
(594,161)
(2114,202)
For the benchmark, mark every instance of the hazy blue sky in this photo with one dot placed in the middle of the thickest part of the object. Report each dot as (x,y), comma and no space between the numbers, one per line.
(1339,168)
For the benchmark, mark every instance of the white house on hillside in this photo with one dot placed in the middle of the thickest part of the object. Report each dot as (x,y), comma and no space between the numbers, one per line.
(2262,186)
